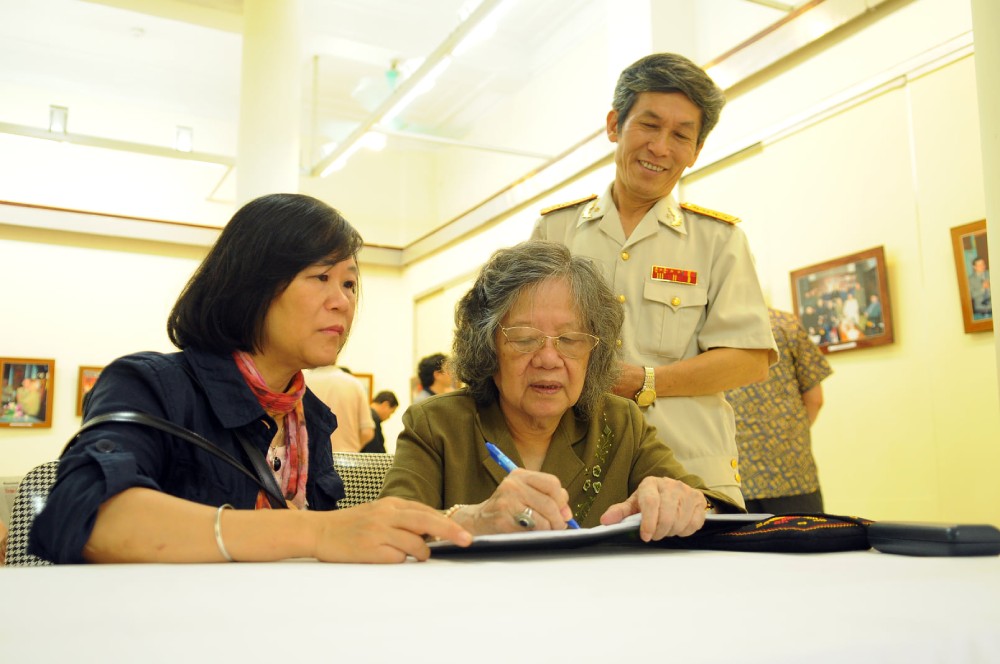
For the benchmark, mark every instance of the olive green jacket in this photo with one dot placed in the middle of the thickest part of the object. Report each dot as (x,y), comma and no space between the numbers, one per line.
(441,458)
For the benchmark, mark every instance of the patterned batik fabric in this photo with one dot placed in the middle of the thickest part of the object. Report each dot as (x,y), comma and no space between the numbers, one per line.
(772,428)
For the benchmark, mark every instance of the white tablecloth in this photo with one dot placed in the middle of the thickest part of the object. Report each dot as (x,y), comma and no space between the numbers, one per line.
(599,604)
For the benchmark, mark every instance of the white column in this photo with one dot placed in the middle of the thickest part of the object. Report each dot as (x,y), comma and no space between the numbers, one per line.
(267,150)
(986,33)
(674,29)
(629,36)
(637,28)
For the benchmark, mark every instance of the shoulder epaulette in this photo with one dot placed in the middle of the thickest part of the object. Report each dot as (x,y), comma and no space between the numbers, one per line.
(563,206)
(721,216)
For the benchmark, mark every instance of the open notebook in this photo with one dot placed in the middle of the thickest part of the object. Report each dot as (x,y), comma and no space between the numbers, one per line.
(541,540)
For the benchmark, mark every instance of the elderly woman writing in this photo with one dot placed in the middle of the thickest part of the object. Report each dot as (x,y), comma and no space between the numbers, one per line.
(536,346)
(276,294)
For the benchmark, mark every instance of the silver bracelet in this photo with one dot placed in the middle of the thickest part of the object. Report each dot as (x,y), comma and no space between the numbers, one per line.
(218,533)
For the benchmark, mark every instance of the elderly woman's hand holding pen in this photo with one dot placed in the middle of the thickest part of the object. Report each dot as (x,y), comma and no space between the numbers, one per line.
(534,497)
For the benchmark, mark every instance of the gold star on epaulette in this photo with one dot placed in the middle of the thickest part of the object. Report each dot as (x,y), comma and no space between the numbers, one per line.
(721,216)
(563,206)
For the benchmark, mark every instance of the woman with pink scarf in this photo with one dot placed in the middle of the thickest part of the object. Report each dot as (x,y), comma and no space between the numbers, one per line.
(275,295)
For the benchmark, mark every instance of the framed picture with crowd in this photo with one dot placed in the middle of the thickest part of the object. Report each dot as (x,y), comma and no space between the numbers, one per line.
(844,303)
(26,392)
(972,265)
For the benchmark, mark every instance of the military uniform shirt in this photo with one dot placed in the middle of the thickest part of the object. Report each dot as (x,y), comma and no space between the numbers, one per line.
(688,284)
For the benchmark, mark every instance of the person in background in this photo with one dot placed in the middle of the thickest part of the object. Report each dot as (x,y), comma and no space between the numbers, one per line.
(695,317)
(852,309)
(773,421)
(383,406)
(347,397)
(873,316)
(435,378)
(979,289)
(535,346)
(276,294)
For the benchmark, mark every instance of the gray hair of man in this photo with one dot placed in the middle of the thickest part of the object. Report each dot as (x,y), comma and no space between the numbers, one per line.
(519,269)
(669,72)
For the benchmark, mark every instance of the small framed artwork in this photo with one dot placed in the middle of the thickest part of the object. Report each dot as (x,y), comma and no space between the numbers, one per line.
(26,392)
(368,380)
(972,264)
(844,303)
(85,383)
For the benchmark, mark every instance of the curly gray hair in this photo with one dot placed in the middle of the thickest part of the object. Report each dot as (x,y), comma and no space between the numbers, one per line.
(513,271)
(669,72)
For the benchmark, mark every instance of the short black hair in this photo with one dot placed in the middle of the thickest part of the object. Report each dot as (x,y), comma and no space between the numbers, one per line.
(427,367)
(385,396)
(266,243)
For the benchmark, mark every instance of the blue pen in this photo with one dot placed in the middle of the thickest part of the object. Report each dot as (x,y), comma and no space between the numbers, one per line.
(509,466)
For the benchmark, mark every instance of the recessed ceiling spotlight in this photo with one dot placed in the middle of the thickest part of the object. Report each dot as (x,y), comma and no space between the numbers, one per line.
(58,118)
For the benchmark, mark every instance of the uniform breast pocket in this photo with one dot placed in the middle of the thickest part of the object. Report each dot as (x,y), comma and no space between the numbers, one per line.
(671,315)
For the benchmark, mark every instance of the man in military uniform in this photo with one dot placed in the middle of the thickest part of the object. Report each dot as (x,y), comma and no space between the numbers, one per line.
(695,319)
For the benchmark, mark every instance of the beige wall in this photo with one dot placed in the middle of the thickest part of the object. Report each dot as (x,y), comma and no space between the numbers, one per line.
(380,339)
(81,300)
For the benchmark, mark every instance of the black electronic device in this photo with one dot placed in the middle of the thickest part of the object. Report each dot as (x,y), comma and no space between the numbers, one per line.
(934,539)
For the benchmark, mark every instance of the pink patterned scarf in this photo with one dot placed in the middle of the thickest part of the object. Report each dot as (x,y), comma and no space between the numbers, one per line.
(286,409)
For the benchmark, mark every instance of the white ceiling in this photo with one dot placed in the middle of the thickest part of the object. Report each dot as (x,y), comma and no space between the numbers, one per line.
(139,58)
(133,70)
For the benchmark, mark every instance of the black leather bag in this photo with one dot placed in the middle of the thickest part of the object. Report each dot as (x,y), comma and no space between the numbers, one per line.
(261,474)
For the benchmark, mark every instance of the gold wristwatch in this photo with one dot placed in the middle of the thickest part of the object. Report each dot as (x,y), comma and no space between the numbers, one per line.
(647,395)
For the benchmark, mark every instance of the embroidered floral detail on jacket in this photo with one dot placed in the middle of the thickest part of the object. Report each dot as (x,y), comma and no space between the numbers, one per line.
(592,488)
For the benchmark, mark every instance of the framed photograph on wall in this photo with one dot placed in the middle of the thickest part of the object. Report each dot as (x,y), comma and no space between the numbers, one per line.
(844,303)
(26,387)
(368,380)
(972,265)
(85,383)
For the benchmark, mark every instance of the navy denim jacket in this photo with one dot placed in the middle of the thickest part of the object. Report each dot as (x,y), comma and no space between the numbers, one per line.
(116,456)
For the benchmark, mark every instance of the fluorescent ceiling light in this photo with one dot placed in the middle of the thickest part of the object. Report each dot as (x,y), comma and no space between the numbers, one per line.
(374,140)
(409,89)
(341,161)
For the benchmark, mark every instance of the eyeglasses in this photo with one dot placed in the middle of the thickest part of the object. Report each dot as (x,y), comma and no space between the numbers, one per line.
(571,344)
